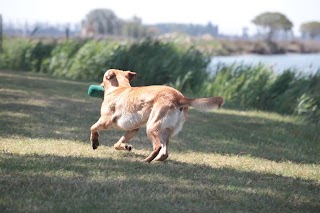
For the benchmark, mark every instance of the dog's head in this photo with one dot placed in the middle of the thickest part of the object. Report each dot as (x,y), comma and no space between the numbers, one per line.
(117,78)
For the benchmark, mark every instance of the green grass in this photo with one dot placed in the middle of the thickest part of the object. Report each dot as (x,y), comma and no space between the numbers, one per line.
(224,161)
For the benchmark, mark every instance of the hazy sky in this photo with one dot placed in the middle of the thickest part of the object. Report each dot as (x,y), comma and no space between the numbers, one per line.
(230,15)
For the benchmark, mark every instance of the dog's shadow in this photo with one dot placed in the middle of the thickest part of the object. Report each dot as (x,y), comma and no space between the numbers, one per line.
(179,184)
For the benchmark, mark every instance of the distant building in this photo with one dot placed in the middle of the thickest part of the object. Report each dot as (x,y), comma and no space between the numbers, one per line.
(88,31)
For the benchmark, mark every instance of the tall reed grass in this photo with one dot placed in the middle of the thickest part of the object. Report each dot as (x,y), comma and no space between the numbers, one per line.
(258,87)
(155,62)
(162,63)
(185,68)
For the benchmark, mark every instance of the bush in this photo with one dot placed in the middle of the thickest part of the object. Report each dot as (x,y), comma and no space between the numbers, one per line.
(277,90)
(241,85)
(309,102)
(62,57)
(257,87)
(38,56)
(16,55)
(91,60)
(155,62)
(309,108)
(159,63)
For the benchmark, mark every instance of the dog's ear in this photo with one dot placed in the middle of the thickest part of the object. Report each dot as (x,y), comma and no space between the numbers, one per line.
(110,74)
(130,75)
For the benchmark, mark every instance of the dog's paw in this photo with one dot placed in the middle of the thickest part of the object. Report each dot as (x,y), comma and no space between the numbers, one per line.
(94,138)
(161,157)
(147,160)
(95,144)
(128,147)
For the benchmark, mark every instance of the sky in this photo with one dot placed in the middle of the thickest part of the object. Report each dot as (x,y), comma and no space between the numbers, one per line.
(230,15)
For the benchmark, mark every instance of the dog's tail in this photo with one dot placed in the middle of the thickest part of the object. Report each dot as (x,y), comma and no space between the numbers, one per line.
(203,104)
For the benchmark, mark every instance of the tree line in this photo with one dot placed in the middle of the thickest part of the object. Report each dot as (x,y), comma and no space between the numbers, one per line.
(104,22)
(269,24)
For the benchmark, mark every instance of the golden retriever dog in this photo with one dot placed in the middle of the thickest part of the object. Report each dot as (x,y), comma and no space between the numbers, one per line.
(162,108)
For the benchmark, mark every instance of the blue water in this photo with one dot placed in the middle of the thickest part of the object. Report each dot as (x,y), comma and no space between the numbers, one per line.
(304,63)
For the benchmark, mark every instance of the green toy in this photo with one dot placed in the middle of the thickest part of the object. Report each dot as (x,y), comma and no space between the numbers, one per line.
(96,91)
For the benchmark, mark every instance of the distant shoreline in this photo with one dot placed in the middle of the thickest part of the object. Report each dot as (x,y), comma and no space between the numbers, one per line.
(226,47)
(212,46)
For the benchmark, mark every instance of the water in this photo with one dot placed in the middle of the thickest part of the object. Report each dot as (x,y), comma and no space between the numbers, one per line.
(304,63)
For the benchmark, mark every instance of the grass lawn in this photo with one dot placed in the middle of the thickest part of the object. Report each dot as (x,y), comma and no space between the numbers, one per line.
(222,161)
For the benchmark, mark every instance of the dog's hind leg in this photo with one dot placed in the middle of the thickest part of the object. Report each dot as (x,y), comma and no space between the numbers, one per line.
(153,135)
(94,137)
(158,132)
(164,138)
(122,143)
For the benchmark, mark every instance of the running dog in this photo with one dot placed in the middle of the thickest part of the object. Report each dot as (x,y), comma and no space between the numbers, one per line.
(162,108)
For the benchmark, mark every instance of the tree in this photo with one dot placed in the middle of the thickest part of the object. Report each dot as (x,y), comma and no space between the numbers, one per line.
(272,22)
(102,21)
(311,29)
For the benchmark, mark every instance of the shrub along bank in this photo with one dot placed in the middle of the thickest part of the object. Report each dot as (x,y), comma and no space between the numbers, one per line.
(257,87)
(244,87)
(156,62)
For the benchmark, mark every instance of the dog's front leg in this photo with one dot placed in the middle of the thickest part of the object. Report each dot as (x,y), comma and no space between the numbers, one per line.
(101,124)
(122,143)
